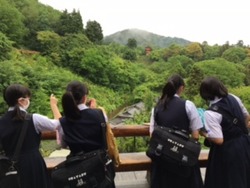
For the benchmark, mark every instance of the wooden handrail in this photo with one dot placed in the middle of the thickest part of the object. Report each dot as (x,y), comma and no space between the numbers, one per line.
(130,130)
(48,135)
(118,131)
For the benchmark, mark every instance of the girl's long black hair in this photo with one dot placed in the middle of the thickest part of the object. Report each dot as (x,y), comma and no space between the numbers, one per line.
(170,89)
(73,96)
(212,87)
(11,96)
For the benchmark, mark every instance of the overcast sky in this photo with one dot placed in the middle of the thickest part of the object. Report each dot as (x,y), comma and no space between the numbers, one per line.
(214,21)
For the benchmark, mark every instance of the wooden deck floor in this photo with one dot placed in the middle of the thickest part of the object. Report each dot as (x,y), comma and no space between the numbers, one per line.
(136,179)
(131,179)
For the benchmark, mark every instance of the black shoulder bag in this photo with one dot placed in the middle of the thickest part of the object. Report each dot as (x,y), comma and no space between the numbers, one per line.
(9,176)
(86,170)
(174,149)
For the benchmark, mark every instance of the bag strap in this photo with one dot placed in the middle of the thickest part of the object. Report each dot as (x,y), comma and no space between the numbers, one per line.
(1,148)
(155,113)
(175,130)
(228,115)
(103,125)
(21,138)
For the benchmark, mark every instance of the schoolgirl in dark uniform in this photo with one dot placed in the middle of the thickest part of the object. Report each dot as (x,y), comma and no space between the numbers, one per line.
(172,111)
(80,127)
(225,119)
(31,165)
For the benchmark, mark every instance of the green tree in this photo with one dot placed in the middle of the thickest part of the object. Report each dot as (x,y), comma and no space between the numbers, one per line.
(38,18)
(224,47)
(194,51)
(226,71)
(193,82)
(172,50)
(155,55)
(76,22)
(72,47)
(159,67)
(70,23)
(49,42)
(185,61)
(175,68)
(240,43)
(243,93)
(132,43)
(235,54)
(129,54)
(11,23)
(248,52)
(144,93)
(5,47)
(246,70)
(211,52)
(103,67)
(93,31)
(70,41)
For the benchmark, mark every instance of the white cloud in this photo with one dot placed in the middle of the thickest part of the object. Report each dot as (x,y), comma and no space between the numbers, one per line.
(213,21)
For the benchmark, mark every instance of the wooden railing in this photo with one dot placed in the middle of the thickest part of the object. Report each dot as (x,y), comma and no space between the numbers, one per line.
(135,161)
(118,131)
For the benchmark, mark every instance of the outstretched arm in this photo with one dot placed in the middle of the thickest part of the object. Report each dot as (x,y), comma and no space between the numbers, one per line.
(54,107)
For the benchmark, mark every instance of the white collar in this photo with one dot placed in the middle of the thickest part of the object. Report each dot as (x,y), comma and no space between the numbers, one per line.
(11,108)
(82,106)
(216,99)
(176,95)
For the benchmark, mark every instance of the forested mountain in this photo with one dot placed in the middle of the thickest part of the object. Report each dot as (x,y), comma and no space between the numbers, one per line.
(144,38)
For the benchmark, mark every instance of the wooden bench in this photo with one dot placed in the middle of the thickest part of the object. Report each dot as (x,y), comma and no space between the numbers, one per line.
(136,161)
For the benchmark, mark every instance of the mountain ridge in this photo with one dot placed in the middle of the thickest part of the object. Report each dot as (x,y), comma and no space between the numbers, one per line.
(144,38)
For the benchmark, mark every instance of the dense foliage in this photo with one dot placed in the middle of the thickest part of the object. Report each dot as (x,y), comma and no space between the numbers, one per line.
(45,49)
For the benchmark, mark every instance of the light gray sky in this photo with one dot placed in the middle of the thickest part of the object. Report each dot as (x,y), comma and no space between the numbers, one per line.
(214,21)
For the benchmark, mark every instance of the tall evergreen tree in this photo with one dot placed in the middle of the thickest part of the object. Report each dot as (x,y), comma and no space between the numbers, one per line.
(76,22)
(70,23)
(94,32)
